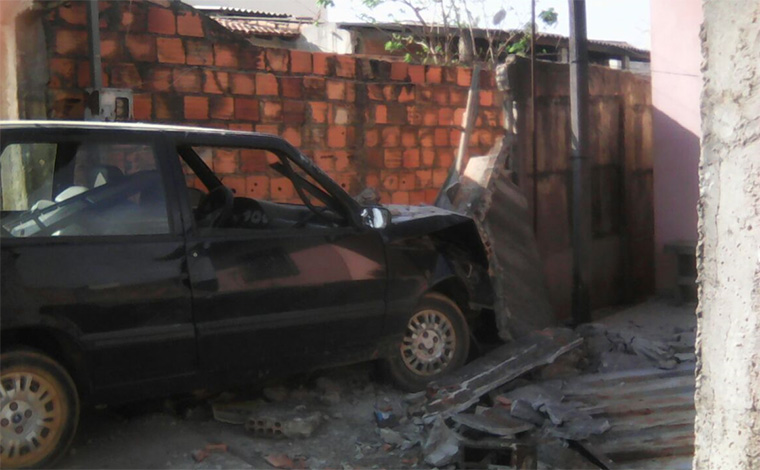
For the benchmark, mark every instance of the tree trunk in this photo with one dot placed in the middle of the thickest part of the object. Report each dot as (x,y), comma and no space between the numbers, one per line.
(728,343)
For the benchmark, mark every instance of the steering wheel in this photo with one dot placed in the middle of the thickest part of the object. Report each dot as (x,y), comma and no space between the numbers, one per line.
(215,208)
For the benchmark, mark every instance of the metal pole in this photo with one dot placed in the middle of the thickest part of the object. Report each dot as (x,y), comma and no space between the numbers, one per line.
(581,203)
(93,23)
(533,151)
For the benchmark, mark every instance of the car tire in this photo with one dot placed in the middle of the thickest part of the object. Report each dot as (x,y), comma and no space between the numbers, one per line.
(435,341)
(39,410)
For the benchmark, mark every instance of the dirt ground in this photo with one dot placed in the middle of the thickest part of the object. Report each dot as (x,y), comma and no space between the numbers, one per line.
(164,434)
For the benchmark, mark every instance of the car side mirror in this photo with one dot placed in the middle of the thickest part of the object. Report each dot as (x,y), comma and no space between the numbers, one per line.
(376,217)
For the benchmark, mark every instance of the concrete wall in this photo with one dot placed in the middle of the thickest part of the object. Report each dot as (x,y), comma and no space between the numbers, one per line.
(676,84)
(620,147)
(728,336)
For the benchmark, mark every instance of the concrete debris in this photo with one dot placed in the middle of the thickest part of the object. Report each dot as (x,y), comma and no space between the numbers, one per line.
(568,420)
(558,413)
(327,385)
(625,348)
(464,388)
(201,454)
(235,412)
(276,394)
(441,446)
(391,437)
(571,423)
(659,352)
(410,462)
(286,462)
(522,409)
(198,413)
(284,425)
(331,398)
(616,361)
(567,365)
(415,403)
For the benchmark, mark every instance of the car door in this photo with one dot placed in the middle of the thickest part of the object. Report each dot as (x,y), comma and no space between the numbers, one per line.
(286,296)
(91,247)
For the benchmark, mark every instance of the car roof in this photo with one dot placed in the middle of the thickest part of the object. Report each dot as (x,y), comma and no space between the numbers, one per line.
(213,136)
(128,126)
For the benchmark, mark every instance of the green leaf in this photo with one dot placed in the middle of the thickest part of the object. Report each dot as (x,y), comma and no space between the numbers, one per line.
(520,46)
(392,45)
(549,17)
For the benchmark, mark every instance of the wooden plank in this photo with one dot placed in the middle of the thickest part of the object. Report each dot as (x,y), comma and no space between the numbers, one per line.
(499,424)
(492,443)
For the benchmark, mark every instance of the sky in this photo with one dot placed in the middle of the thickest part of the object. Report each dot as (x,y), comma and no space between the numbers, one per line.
(615,20)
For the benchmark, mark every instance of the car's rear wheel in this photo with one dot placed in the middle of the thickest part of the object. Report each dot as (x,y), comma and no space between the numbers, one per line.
(39,410)
(436,341)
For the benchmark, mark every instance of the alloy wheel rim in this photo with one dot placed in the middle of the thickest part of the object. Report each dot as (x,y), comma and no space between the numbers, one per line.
(429,343)
(32,413)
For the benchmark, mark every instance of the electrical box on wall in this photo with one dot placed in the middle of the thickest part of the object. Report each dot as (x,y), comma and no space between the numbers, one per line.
(109,104)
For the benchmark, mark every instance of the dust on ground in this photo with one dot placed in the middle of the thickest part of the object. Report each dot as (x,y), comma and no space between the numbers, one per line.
(349,400)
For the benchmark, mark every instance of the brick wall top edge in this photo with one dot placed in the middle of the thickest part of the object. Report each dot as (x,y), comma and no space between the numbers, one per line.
(360,68)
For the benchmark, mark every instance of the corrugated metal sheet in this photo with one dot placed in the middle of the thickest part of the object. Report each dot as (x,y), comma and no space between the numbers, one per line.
(651,412)
(511,34)
(232,11)
(256,27)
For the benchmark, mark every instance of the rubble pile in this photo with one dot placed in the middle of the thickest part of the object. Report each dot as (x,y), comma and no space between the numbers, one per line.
(520,406)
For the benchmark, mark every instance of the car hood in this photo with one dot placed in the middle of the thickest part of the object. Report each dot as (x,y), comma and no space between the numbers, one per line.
(409,221)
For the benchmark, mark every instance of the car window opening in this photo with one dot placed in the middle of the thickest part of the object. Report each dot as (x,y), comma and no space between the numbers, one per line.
(302,202)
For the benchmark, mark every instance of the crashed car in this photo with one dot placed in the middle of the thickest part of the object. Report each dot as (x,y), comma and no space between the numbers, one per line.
(130,271)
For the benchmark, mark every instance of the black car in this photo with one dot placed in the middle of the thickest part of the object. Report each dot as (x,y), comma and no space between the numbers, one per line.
(129,271)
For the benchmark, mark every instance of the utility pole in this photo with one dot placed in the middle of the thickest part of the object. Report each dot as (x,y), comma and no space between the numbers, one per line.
(580,163)
(93,37)
(533,151)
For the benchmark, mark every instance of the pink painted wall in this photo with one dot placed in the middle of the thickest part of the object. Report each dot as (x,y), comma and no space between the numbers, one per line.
(676,86)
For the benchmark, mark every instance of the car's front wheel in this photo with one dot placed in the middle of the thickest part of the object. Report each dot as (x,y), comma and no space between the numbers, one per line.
(39,410)
(436,341)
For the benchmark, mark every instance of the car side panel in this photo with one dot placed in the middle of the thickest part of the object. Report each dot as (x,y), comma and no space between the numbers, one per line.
(269,302)
(122,298)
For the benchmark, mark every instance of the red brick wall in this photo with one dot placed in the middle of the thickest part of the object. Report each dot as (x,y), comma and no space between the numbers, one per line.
(391,126)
